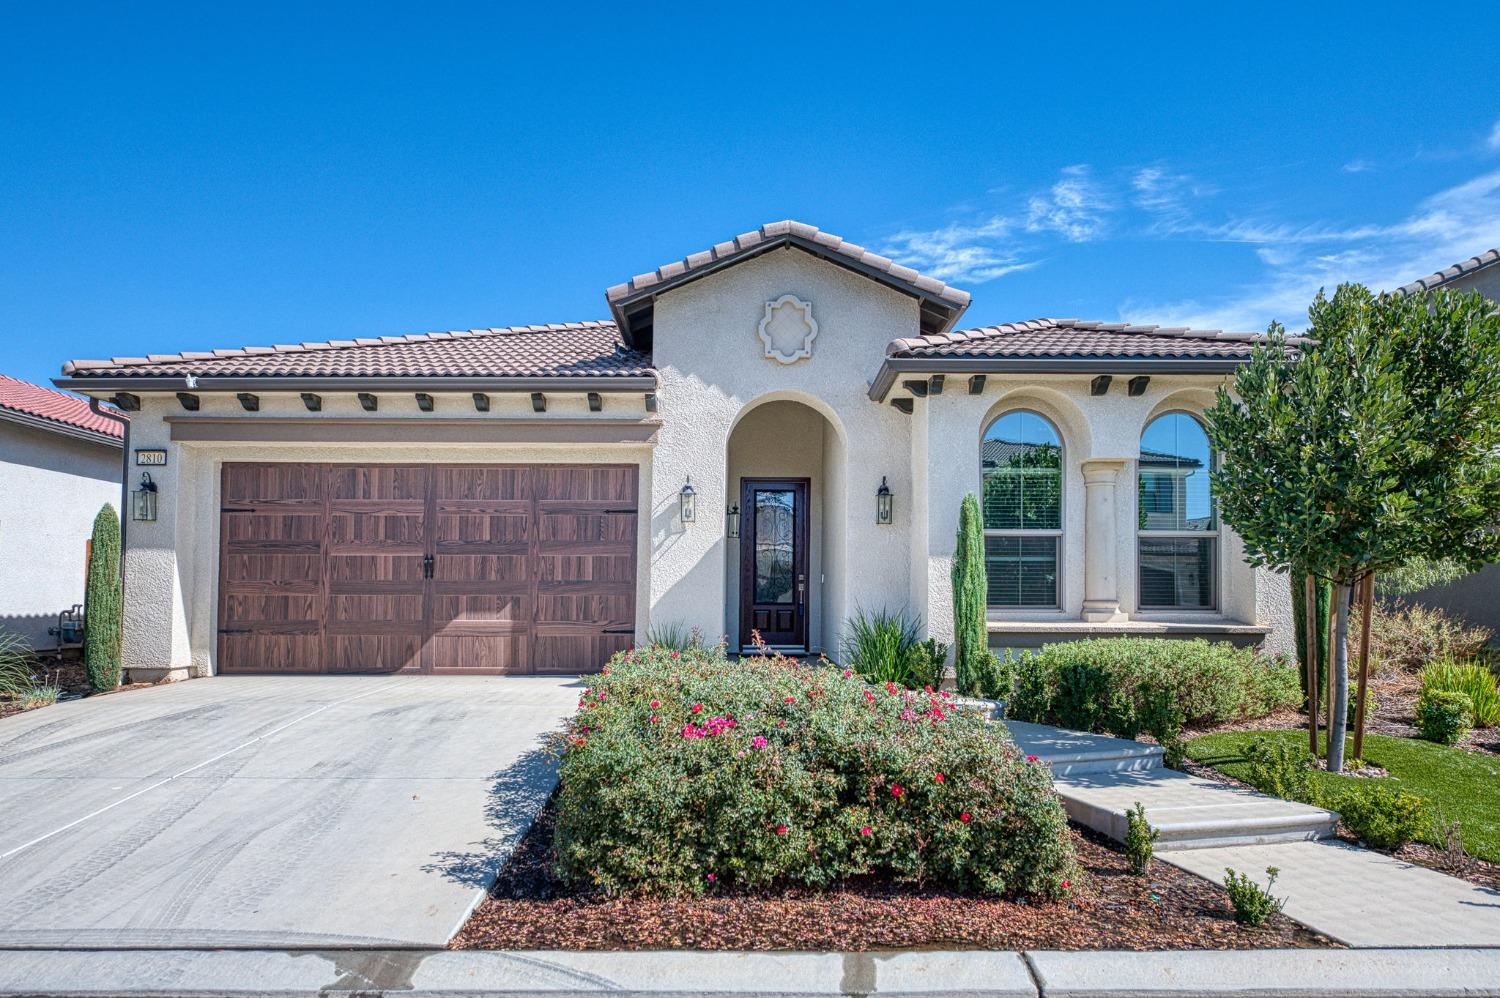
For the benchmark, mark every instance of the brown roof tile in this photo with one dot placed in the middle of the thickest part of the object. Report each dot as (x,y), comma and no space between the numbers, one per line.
(565,349)
(1433,281)
(1079,338)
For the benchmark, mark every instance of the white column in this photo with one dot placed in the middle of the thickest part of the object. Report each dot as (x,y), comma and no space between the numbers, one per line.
(1101,583)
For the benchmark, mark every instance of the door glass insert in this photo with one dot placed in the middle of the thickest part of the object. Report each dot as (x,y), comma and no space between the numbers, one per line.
(775,540)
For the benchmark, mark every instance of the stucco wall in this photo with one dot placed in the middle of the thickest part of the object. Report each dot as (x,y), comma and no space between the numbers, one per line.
(52,487)
(713,367)
(172,564)
(1486,282)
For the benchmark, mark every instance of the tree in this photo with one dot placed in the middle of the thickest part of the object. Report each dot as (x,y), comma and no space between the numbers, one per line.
(971,638)
(101,607)
(1372,444)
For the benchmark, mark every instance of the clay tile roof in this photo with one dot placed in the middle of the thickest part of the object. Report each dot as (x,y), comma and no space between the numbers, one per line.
(559,349)
(1065,338)
(1433,281)
(774,233)
(28,400)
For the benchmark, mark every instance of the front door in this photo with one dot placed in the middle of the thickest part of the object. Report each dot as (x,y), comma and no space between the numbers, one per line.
(773,562)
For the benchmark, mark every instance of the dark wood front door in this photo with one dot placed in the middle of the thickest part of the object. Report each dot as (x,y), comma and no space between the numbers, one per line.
(773,561)
(458,569)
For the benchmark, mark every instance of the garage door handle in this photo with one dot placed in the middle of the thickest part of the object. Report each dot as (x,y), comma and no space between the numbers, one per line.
(621,511)
(234,630)
(619,630)
(427,567)
(236,509)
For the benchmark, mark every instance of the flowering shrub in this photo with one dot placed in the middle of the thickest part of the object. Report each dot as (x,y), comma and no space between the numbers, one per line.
(684,772)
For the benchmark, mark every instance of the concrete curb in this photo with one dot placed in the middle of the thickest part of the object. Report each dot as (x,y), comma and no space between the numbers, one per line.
(966,974)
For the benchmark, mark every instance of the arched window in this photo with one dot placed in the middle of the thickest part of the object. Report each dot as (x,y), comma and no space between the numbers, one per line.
(1179,528)
(1021,464)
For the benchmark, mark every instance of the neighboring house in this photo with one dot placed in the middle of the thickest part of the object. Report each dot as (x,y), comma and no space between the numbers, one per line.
(59,464)
(766,437)
(1474,597)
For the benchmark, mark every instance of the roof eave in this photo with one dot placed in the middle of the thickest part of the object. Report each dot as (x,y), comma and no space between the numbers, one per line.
(894,367)
(949,312)
(293,383)
(63,429)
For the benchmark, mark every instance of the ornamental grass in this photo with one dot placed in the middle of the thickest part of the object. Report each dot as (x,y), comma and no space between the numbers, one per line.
(685,773)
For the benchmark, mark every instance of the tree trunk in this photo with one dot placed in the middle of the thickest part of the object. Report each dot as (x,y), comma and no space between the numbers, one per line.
(1338,707)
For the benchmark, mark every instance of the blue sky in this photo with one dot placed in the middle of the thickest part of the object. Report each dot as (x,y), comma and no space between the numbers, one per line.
(199,176)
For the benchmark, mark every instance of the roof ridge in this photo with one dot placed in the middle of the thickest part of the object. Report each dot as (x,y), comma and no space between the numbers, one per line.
(1466,266)
(188,356)
(783,229)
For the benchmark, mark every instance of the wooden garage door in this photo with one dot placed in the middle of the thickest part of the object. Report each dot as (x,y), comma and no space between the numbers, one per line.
(457,569)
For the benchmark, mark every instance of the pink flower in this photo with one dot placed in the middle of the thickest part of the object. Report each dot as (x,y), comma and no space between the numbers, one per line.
(867,831)
(697,708)
(1066,884)
(890,688)
(927,689)
(678,654)
(848,674)
(897,790)
(788,699)
(653,718)
(966,817)
(711,878)
(938,777)
(655,704)
(908,714)
(759,741)
(601,694)
(780,829)
(1032,758)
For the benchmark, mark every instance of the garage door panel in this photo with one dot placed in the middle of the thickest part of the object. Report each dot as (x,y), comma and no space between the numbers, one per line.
(532,568)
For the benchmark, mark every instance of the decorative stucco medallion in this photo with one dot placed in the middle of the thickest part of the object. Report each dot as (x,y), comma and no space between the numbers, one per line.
(788,329)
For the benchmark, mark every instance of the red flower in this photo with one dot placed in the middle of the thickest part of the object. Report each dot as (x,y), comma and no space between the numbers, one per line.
(697,708)
(848,674)
(788,699)
(966,817)
(655,704)
(780,829)
(867,831)
(653,718)
(938,777)
(897,790)
(1032,758)
(1066,884)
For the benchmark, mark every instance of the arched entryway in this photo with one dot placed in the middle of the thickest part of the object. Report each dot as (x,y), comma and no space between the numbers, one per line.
(784,571)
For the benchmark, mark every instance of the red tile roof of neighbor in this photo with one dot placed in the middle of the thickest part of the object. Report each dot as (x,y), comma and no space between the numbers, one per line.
(1058,338)
(55,407)
(564,349)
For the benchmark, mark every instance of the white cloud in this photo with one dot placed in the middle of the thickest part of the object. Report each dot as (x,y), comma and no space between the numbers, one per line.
(1357,166)
(1075,207)
(1494,140)
(1446,227)
(975,253)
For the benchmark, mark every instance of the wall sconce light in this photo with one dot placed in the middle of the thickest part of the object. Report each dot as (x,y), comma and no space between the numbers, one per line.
(143,500)
(687,500)
(733,517)
(883,503)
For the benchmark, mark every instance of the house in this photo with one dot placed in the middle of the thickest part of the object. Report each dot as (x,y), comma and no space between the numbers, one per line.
(59,464)
(764,437)
(1474,597)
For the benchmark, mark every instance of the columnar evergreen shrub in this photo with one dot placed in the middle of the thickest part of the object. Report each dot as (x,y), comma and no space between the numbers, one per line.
(972,661)
(1324,592)
(1125,685)
(684,773)
(102,604)
(1140,839)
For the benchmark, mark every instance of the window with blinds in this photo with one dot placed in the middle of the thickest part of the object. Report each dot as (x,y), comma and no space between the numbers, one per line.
(1178,526)
(1021,467)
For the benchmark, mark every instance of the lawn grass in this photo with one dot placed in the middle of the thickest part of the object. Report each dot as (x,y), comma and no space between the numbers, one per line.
(1463,786)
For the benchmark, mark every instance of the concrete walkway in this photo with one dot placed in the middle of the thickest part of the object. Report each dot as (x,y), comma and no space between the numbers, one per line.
(1357,896)
(269,811)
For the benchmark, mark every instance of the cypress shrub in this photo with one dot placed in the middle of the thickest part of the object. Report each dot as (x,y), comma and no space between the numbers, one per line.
(102,598)
(971,639)
(1299,621)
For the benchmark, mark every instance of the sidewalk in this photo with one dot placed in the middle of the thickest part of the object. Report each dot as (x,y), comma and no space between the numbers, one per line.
(1357,896)
(469,974)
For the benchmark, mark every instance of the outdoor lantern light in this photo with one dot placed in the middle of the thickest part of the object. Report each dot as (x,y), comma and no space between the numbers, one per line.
(734,521)
(687,497)
(143,499)
(883,503)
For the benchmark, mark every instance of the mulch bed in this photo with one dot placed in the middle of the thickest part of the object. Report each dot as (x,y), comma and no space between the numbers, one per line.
(529,908)
(70,677)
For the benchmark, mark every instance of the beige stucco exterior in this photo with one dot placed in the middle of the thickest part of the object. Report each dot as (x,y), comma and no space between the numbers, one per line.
(730,406)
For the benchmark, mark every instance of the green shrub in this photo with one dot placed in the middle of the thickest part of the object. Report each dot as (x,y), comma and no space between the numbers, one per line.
(1253,904)
(1280,768)
(1416,575)
(1407,636)
(1163,719)
(1139,840)
(674,636)
(40,696)
(101,607)
(971,635)
(17,666)
(1474,680)
(884,648)
(684,773)
(1371,702)
(994,677)
(1442,716)
(1119,685)
(1384,818)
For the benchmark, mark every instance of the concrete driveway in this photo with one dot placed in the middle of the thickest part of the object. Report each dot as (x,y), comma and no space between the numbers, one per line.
(269,811)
